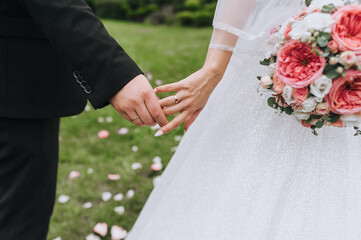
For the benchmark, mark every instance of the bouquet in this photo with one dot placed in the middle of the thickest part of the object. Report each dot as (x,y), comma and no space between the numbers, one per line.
(315,65)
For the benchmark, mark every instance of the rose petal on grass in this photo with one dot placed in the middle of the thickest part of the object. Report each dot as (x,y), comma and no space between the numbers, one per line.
(149,76)
(158,82)
(109,119)
(156,180)
(101,229)
(106,196)
(156,167)
(120,210)
(178,138)
(136,166)
(87,205)
(113,177)
(58,238)
(135,148)
(123,131)
(90,171)
(73,175)
(118,197)
(92,237)
(100,119)
(130,193)
(87,108)
(63,199)
(118,233)
(157,159)
(103,134)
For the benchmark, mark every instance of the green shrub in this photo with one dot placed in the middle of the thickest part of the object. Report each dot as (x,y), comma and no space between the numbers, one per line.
(210,7)
(117,9)
(186,18)
(165,15)
(193,5)
(202,18)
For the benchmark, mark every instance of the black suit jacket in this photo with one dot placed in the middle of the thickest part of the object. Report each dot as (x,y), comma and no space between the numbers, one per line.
(54,55)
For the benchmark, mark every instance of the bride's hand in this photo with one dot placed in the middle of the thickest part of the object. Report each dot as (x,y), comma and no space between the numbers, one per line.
(191,96)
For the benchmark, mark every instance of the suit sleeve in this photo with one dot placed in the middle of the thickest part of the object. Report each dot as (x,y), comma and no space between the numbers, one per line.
(100,65)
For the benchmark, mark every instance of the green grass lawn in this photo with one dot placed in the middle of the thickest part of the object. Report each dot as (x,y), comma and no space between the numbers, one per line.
(170,54)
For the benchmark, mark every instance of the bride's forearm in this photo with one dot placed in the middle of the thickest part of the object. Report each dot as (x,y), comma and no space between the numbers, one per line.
(215,65)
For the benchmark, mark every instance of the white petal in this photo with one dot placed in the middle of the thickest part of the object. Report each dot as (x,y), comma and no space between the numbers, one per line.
(136,166)
(87,205)
(106,196)
(63,199)
(92,237)
(130,193)
(120,210)
(118,197)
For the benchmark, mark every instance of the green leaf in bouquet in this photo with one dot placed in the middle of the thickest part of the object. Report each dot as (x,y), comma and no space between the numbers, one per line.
(329,67)
(319,124)
(265,62)
(356,128)
(334,117)
(259,78)
(322,41)
(308,2)
(343,74)
(328,8)
(271,102)
(331,74)
(315,117)
(325,35)
(288,110)
(328,119)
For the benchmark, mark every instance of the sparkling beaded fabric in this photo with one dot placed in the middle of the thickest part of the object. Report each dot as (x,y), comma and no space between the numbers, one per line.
(243,172)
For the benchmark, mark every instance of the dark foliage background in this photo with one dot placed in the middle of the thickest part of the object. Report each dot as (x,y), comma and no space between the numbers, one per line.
(184,12)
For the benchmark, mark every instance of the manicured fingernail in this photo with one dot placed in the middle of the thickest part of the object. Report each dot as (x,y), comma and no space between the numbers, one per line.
(155,90)
(158,134)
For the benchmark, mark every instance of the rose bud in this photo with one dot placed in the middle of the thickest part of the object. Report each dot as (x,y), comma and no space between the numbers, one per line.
(323,108)
(333,61)
(266,81)
(339,70)
(333,46)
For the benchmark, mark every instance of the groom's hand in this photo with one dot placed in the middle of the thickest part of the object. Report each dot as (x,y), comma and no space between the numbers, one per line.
(138,103)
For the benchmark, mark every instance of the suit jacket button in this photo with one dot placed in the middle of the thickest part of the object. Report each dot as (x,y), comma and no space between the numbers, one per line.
(88,89)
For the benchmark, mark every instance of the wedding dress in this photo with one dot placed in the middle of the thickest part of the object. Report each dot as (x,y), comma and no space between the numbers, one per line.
(245,172)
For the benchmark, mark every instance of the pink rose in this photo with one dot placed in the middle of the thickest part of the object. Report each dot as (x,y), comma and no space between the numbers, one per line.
(333,45)
(300,94)
(297,66)
(346,30)
(307,125)
(345,95)
(278,85)
(339,123)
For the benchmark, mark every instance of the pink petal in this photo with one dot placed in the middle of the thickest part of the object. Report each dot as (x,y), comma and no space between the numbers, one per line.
(103,134)
(113,177)
(101,229)
(73,175)
(156,166)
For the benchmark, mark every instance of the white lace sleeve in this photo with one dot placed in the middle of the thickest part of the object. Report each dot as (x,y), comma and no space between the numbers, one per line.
(229,19)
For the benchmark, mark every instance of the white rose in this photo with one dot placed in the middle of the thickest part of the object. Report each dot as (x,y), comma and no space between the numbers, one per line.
(272,68)
(287,94)
(275,38)
(302,115)
(317,21)
(308,105)
(321,87)
(266,81)
(351,120)
(318,4)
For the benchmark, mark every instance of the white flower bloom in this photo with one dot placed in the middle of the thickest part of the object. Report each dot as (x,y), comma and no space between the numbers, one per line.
(351,120)
(316,21)
(266,81)
(272,69)
(302,115)
(309,105)
(320,3)
(321,87)
(287,94)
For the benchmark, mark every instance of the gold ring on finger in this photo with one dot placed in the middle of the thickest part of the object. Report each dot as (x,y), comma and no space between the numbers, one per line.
(135,119)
